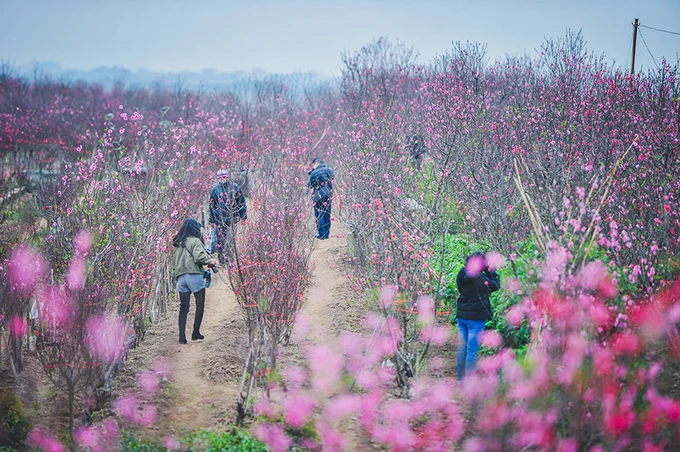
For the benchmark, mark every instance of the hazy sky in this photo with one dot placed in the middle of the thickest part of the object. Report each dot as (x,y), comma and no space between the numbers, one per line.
(309,35)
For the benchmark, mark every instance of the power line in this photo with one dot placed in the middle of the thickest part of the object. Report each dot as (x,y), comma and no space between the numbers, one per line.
(659,29)
(649,51)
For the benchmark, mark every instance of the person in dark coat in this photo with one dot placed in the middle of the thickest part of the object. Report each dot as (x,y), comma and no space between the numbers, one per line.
(475,281)
(188,260)
(321,183)
(227,208)
(416,149)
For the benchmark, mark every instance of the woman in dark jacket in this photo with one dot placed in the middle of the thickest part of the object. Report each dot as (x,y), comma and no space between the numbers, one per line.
(475,283)
(188,260)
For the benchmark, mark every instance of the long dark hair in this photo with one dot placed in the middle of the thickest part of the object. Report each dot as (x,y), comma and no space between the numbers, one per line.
(190,228)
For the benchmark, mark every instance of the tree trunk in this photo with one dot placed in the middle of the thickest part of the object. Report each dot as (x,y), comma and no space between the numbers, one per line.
(71,401)
(15,344)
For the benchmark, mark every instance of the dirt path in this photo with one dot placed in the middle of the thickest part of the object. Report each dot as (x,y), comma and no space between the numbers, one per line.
(201,401)
(200,388)
(324,307)
(204,376)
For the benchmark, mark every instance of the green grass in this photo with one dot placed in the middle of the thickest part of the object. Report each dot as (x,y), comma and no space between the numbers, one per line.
(234,440)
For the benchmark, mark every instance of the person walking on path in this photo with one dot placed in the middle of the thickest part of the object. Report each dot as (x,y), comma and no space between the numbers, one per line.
(475,281)
(188,259)
(321,183)
(227,208)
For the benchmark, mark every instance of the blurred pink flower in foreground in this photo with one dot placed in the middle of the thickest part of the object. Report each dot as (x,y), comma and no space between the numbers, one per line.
(295,376)
(106,337)
(475,265)
(111,430)
(126,407)
(425,310)
(387,296)
(148,417)
(301,326)
(513,285)
(54,306)
(17,326)
(342,406)
(438,335)
(162,368)
(326,367)
(26,266)
(45,441)
(495,260)
(171,443)
(265,408)
(491,339)
(297,409)
(273,436)
(83,242)
(76,273)
(149,381)
(88,437)
(515,315)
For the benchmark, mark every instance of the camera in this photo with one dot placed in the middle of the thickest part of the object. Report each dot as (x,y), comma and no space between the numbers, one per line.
(213,268)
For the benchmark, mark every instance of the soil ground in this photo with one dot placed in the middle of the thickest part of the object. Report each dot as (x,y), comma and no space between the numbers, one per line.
(201,388)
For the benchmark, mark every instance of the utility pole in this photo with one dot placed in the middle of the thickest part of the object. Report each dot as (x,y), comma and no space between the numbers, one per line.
(635,28)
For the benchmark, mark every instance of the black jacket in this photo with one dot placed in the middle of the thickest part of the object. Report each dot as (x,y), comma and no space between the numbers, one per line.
(227,204)
(321,182)
(473,302)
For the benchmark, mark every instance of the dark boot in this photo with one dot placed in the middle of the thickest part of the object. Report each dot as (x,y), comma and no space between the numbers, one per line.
(184,298)
(200,305)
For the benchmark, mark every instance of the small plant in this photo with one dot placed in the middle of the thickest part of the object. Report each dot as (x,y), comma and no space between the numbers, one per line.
(234,440)
(129,442)
(14,424)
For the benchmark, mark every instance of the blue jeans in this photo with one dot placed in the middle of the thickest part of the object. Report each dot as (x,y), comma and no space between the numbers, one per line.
(224,243)
(469,334)
(322,213)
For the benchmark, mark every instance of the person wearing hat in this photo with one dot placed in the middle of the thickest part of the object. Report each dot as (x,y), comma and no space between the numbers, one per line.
(321,183)
(227,208)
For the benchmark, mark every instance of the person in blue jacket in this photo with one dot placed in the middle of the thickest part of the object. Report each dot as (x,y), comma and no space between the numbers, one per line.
(321,183)
(475,281)
(227,207)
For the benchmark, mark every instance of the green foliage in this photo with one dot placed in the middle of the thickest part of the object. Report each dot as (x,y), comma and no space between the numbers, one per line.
(307,431)
(14,424)
(451,258)
(668,267)
(130,443)
(513,336)
(234,440)
(427,181)
(274,375)
(15,224)
(24,212)
(523,268)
